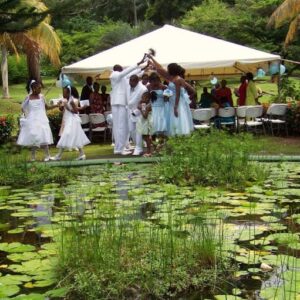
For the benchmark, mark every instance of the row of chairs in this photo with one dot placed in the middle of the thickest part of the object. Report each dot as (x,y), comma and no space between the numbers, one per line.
(95,124)
(244,117)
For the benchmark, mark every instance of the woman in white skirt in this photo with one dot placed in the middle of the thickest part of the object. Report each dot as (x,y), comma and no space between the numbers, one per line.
(72,135)
(35,131)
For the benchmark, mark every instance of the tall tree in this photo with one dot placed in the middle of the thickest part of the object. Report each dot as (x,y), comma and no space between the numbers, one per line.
(41,39)
(288,11)
(15,16)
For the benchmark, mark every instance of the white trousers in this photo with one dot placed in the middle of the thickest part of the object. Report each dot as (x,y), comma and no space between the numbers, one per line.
(120,127)
(136,137)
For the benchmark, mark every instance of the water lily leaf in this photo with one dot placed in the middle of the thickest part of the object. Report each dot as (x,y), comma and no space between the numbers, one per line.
(16,231)
(16,247)
(57,293)
(25,256)
(8,290)
(14,279)
(44,283)
(269,219)
(227,297)
(30,297)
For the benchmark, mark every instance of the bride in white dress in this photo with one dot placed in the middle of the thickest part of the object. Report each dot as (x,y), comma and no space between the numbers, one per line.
(35,131)
(72,135)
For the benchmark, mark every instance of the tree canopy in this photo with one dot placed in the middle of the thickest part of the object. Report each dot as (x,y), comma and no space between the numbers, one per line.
(16,16)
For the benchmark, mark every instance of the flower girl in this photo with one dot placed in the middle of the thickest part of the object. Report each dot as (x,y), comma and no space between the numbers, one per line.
(72,135)
(35,131)
(144,124)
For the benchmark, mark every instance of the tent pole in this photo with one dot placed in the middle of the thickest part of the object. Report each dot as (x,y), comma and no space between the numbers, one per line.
(278,82)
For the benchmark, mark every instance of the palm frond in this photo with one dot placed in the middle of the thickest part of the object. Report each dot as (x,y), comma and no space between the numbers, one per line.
(290,36)
(48,41)
(9,43)
(287,11)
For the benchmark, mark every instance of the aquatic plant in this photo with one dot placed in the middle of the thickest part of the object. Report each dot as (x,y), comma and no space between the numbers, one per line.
(16,171)
(214,159)
(108,254)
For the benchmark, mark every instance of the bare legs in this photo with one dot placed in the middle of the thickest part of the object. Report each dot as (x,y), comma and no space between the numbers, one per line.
(46,150)
(61,150)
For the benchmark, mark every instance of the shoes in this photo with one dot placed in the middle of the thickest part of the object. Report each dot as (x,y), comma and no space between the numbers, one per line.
(48,158)
(81,157)
(126,152)
(57,157)
(32,159)
(147,155)
(137,152)
(117,152)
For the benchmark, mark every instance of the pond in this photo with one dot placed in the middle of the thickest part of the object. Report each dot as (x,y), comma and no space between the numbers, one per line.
(259,227)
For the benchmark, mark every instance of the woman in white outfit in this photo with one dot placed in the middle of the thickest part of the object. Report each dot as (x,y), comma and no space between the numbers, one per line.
(35,131)
(72,135)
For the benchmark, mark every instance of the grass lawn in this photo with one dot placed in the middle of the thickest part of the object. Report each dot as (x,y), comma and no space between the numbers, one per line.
(267,146)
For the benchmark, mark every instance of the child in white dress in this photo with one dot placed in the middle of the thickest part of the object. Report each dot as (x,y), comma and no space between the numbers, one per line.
(72,135)
(35,131)
(144,124)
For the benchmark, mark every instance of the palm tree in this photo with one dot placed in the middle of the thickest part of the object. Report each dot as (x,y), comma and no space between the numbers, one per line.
(288,11)
(41,39)
(15,17)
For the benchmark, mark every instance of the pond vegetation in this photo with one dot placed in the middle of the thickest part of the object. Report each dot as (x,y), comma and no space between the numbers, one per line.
(124,231)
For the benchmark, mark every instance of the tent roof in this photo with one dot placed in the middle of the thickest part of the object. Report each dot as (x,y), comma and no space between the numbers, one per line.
(199,54)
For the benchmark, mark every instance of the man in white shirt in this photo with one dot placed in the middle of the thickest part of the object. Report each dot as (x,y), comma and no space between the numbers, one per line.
(136,90)
(119,85)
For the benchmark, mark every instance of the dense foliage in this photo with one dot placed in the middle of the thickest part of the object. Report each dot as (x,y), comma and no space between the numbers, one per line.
(55,119)
(6,127)
(16,171)
(214,159)
(87,27)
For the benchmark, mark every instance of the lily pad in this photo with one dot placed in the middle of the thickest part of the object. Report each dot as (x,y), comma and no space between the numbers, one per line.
(16,247)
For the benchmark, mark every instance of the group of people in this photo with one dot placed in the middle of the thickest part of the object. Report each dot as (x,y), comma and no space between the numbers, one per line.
(145,108)
(98,102)
(141,106)
(221,95)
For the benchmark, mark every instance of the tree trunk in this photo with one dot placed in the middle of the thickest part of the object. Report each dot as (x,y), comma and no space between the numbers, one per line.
(135,14)
(33,65)
(4,72)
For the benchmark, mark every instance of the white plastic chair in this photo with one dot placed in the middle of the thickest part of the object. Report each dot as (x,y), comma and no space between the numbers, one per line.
(240,116)
(96,119)
(226,112)
(253,117)
(276,115)
(85,120)
(202,115)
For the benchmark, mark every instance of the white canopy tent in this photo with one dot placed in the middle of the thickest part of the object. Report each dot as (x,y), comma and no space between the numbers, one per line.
(201,55)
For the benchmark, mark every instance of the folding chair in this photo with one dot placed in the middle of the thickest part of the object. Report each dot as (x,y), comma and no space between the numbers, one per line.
(253,118)
(85,122)
(276,115)
(240,117)
(202,115)
(96,121)
(226,117)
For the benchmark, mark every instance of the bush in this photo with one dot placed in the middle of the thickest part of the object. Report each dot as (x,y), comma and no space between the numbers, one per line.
(55,119)
(6,127)
(17,69)
(217,159)
(15,171)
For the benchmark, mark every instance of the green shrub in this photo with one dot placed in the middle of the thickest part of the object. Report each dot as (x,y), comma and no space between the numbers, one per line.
(17,69)
(6,128)
(105,256)
(215,158)
(55,119)
(16,171)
